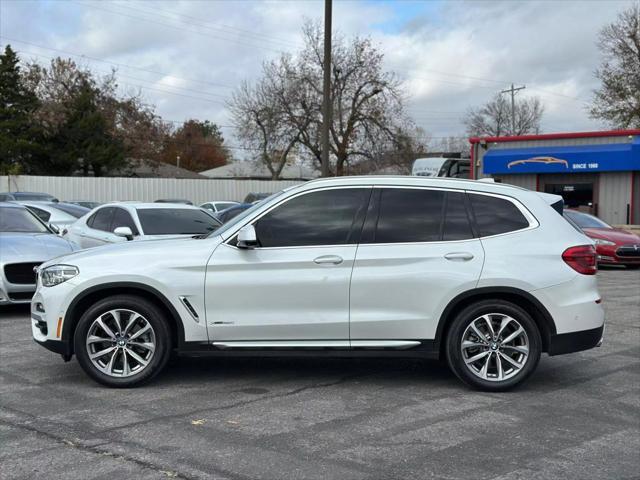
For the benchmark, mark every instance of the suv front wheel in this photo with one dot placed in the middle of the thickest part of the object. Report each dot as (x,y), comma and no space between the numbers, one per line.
(493,345)
(122,341)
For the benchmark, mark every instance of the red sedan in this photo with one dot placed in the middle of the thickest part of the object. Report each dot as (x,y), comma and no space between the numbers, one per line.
(614,246)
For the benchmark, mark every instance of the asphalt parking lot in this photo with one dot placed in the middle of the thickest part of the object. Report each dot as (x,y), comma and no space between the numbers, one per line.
(578,417)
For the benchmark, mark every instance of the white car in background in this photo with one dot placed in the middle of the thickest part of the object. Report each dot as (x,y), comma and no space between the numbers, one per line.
(218,206)
(119,222)
(59,216)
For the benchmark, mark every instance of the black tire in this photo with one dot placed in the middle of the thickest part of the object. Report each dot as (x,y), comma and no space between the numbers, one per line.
(465,318)
(151,313)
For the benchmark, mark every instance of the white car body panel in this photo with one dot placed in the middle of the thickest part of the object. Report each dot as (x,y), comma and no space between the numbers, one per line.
(399,291)
(284,294)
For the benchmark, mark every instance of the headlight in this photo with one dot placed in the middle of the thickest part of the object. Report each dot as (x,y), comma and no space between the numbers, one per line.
(600,241)
(56,274)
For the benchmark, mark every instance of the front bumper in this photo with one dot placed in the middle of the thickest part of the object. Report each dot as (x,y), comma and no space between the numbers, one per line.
(576,341)
(617,255)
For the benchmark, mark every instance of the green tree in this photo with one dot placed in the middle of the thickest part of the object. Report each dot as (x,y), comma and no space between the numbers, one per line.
(84,140)
(20,137)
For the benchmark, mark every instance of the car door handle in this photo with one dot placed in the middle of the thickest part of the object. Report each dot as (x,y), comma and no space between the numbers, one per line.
(463,256)
(328,260)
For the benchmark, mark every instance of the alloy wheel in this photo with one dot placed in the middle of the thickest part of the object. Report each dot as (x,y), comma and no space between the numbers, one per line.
(495,347)
(121,343)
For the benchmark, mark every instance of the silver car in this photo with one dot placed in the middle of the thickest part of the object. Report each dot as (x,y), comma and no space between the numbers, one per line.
(25,242)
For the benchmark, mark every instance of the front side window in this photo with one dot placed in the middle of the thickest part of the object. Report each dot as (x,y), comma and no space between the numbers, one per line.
(409,215)
(122,218)
(176,221)
(496,215)
(101,220)
(328,217)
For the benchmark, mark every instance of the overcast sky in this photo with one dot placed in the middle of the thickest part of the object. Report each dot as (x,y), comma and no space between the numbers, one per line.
(187,56)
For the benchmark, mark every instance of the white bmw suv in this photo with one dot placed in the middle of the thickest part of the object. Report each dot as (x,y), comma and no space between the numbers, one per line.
(486,276)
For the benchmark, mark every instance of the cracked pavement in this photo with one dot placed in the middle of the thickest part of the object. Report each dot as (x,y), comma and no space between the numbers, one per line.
(578,417)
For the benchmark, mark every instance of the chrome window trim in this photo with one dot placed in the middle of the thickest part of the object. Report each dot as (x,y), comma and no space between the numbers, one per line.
(533,222)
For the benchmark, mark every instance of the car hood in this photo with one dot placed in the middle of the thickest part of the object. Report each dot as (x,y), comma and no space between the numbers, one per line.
(617,235)
(139,251)
(42,246)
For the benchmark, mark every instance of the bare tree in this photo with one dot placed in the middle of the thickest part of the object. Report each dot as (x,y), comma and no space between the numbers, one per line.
(266,117)
(618,99)
(494,118)
(285,108)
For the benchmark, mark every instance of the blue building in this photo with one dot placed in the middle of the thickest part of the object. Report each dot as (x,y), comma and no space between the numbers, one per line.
(596,172)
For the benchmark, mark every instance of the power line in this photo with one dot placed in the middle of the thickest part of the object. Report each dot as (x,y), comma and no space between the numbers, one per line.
(220,27)
(81,55)
(217,37)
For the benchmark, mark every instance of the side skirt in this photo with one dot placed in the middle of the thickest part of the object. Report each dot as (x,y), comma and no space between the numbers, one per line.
(367,349)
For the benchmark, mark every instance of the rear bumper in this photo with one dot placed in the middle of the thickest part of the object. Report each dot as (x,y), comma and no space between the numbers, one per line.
(575,341)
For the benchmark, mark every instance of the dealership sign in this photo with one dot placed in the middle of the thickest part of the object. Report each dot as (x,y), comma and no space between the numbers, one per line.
(559,159)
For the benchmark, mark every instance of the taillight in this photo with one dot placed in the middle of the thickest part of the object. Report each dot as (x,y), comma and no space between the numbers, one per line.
(582,259)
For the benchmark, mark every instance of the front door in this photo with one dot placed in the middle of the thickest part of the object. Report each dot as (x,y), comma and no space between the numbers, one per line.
(293,287)
(417,252)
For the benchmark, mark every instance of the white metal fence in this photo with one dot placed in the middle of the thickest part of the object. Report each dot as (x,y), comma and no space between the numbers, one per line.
(106,189)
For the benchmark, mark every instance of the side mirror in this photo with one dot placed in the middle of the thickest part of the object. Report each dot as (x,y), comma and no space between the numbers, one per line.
(55,229)
(247,237)
(124,232)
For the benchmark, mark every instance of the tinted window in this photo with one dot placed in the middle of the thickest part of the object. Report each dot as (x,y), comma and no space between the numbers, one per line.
(328,217)
(409,215)
(496,215)
(19,220)
(122,218)
(42,214)
(456,221)
(584,220)
(75,211)
(176,221)
(101,220)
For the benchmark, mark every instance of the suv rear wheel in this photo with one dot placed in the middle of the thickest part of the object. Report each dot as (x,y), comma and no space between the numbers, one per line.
(493,345)
(122,341)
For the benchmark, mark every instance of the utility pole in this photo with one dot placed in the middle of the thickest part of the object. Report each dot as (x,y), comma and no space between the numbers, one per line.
(513,91)
(326,88)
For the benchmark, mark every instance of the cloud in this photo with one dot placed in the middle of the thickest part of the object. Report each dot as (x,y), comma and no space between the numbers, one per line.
(187,56)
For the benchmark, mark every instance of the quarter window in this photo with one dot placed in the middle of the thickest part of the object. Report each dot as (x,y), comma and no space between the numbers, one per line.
(410,215)
(328,217)
(496,215)
(42,214)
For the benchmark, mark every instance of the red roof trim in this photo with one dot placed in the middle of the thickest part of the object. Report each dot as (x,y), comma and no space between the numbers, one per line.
(555,136)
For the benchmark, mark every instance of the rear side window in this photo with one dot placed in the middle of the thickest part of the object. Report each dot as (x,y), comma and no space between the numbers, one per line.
(496,215)
(328,217)
(456,221)
(122,218)
(42,214)
(101,220)
(409,215)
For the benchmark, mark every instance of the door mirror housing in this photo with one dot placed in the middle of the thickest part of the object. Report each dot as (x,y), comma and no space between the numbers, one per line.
(124,232)
(247,237)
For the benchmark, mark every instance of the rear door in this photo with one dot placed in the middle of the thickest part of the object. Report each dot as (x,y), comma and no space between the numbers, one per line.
(418,251)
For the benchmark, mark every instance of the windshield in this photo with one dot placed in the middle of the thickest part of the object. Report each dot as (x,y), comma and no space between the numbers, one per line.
(240,218)
(32,197)
(176,221)
(73,210)
(584,220)
(20,220)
